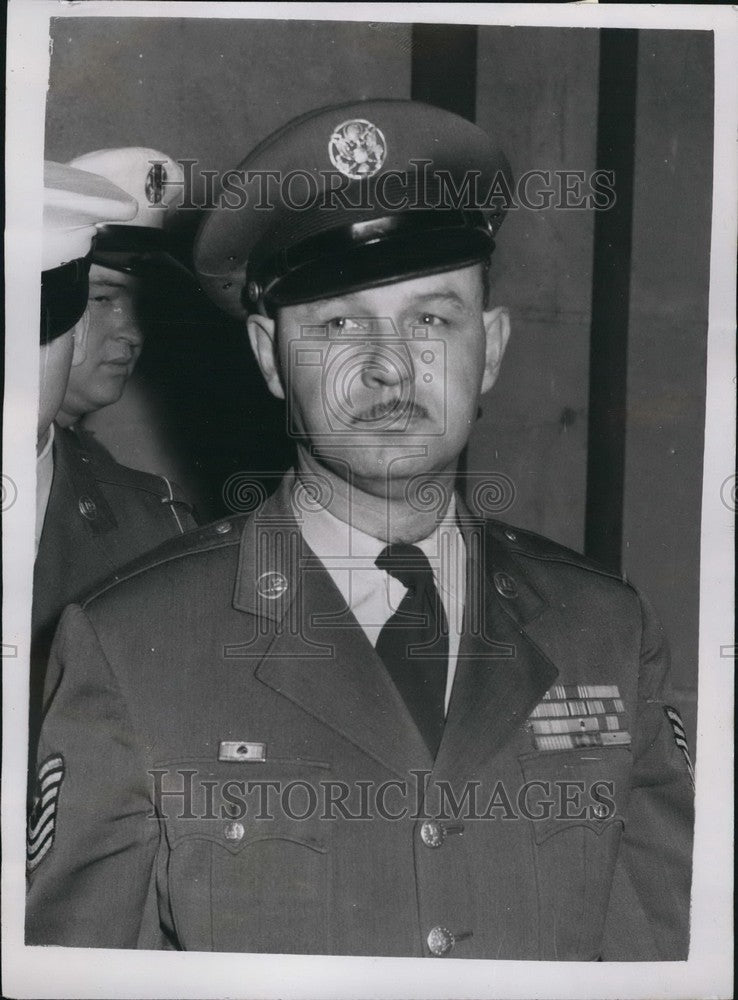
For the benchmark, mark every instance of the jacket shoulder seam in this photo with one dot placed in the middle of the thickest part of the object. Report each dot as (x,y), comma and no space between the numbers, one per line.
(123,575)
(556,553)
(578,562)
(134,479)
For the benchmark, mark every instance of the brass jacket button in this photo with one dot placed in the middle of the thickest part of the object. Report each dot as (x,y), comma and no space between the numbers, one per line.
(432,833)
(440,941)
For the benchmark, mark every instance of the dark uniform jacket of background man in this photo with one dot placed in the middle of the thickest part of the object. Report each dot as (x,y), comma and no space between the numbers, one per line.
(99,514)
(231,760)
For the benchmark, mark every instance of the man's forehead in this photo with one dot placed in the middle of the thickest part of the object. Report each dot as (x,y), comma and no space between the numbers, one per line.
(458,286)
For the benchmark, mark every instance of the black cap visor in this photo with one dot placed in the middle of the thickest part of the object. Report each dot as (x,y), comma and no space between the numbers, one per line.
(345,266)
(138,249)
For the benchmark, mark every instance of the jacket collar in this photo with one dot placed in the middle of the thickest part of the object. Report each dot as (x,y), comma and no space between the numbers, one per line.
(269,557)
(487,543)
(73,463)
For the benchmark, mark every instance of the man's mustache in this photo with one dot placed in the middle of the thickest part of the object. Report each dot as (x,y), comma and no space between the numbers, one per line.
(396,408)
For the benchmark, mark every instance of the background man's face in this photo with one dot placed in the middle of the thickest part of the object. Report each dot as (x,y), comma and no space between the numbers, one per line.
(55,359)
(388,379)
(114,344)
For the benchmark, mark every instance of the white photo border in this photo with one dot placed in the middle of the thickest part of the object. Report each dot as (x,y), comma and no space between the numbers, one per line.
(65,972)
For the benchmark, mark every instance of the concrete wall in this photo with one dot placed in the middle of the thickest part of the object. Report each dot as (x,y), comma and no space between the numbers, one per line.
(212,89)
(537,90)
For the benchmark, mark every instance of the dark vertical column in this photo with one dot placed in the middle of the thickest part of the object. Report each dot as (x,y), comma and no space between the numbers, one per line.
(610,300)
(444,67)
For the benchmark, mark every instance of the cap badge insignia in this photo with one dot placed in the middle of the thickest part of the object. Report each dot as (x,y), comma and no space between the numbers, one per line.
(357,148)
(156,180)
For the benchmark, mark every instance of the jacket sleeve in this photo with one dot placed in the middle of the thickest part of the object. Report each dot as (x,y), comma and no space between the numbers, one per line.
(91,841)
(648,915)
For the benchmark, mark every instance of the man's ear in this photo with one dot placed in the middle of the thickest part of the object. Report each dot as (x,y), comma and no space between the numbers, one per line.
(497,332)
(263,336)
(80,331)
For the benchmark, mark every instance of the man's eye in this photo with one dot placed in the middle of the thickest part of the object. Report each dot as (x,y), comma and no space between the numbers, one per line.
(100,298)
(430,319)
(346,324)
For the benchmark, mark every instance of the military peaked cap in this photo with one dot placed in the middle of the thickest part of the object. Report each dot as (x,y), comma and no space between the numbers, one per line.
(352,197)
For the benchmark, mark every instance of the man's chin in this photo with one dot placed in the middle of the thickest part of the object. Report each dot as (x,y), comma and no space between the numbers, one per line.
(100,402)
(384,472)
(109,390)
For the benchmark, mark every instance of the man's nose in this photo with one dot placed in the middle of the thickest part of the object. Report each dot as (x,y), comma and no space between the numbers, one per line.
(386,364)
(131,334)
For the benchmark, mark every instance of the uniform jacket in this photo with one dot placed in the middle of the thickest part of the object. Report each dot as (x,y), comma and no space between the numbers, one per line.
(100,515)
(209,709)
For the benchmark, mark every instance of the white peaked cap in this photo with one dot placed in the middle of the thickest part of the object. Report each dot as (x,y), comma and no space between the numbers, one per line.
(75,203)
(154,179)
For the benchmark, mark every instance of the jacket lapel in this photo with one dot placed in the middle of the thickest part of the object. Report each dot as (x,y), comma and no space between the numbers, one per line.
(314,652)
(500,674)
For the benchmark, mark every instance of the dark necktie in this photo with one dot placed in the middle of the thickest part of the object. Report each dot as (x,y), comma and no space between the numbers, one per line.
(414,641)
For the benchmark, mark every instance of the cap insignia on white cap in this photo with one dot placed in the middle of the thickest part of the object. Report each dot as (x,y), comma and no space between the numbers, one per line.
(156,181)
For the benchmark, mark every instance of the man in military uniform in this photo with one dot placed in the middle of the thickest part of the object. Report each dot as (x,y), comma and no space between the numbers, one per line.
(93,515)
(124,258)
(364,719)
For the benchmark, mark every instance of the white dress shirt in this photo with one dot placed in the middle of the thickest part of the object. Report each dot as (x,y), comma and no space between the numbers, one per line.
(373,596)
(44,477)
